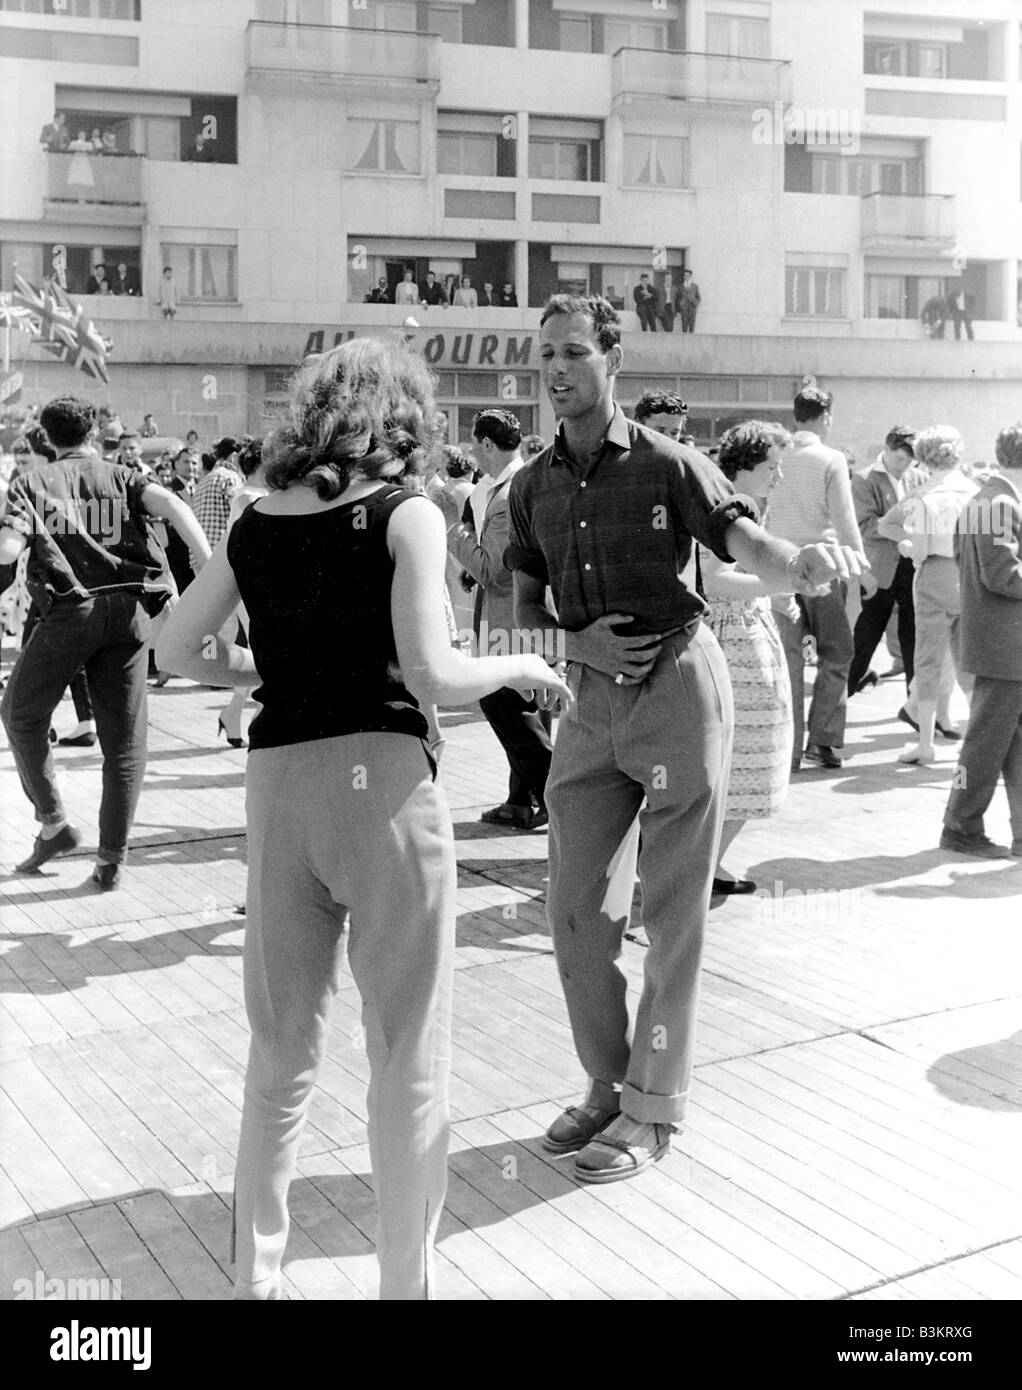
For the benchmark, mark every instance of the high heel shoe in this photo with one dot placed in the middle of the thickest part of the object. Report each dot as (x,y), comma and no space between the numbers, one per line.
(220,729)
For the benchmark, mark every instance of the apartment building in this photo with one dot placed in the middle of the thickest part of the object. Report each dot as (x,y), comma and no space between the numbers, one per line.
(825,168)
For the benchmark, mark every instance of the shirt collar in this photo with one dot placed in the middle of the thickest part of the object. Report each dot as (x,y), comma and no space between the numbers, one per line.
(509,470)
(617,433)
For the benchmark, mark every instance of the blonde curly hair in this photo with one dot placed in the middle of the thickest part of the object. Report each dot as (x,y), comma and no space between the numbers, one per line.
(940,447)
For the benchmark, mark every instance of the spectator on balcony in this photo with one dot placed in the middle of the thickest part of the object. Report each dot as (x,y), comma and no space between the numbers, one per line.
(55,137)
(125,281)
(961,305)
(934,316)
(167,297)
(431,291)
(450,285)
(687,301)
(508,298)
(408,291)
(110,142)
(381,294)
(79,172)
(98,283)
(96,140)
(465,296)
(149,428)
(487,297)
(615,300)
(199,154)
(644,296)
(665,306)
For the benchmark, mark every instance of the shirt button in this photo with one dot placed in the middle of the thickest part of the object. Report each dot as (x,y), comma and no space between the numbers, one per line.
(582,484)
(588,567)
(582,523)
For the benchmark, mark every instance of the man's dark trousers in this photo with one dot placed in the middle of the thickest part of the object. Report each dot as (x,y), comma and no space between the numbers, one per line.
(992,746)
(109,636)
(647,315)
(872,624)
(524,733)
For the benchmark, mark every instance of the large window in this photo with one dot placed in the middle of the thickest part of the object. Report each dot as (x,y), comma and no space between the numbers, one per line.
(739,36)
(383,146)
(881,166)
(624,33)
(564,149)
(203,274)
(814,292)
(899,296)
(475,143)
(655,161)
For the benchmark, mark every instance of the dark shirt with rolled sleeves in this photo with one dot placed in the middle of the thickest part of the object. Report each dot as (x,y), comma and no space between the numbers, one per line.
(616,536)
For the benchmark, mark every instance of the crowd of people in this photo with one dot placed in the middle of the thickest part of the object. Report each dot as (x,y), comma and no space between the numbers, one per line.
(431,292)
(668,604)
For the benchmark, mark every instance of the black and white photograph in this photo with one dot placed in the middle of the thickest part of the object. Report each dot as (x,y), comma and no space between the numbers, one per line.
(511,667)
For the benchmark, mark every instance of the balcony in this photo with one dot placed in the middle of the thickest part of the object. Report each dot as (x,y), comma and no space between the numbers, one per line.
(712,78)
(900,222)
(104,188)
(286,56)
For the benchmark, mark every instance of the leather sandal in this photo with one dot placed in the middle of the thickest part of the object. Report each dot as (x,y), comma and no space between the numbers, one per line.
(574,1129)
(606,1164)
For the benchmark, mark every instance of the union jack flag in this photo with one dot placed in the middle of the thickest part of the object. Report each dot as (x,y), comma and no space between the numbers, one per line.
(64,331)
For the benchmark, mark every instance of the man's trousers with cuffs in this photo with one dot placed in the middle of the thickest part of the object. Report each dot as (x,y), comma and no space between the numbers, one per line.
(668,742)
(524,733)
(107,636)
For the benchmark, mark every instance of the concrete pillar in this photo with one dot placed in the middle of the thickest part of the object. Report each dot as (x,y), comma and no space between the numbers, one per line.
(521,24)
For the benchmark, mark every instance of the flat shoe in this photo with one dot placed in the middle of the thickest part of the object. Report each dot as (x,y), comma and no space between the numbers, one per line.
(80,741)
(951,734)
(507,815)
(574,1129)
(44,850)
(906,718)
(729,886)
(606,1159)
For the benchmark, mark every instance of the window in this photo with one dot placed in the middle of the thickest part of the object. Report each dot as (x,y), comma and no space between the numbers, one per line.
(656,161)
(624,34)
(383,146)
(575,33)
(474,144)
(72,269)
(909,58)
(814,293)
(738,36)
(856,175)
(76,9)
(899,296)
(394,15)
(564,149)
(444,20)
(203,274)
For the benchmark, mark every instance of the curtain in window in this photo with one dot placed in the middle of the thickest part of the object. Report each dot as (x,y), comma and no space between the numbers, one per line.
(384,145)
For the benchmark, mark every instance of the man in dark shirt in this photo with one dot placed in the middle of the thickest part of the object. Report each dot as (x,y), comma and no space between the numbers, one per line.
(98,572)
(508,298)
(607,516)
(380,295)
(645,297)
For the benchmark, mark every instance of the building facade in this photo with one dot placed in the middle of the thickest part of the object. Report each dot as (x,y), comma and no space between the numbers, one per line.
(826,169)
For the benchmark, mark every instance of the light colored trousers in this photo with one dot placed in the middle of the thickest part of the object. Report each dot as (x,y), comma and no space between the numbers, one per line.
(667,740)
(938,606)
(351,823)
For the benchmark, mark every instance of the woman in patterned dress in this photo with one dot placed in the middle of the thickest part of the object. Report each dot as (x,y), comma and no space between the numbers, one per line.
(741,620)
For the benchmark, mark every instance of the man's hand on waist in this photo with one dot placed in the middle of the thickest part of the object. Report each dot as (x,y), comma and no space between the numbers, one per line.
(598,646)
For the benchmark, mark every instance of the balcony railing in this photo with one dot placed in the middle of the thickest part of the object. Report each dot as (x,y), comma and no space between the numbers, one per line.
(925,221)
(113,180)
(707,77)
(280,53)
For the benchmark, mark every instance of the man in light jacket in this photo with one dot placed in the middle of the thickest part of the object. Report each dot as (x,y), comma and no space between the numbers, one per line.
(988,548)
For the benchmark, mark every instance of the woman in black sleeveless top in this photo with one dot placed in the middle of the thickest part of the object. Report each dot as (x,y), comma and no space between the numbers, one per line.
(341,569)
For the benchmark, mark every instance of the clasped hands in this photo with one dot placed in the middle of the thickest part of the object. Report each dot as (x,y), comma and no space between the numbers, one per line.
(821,563)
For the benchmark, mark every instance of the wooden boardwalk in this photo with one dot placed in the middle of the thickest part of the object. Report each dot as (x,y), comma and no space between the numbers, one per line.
(855,1125)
